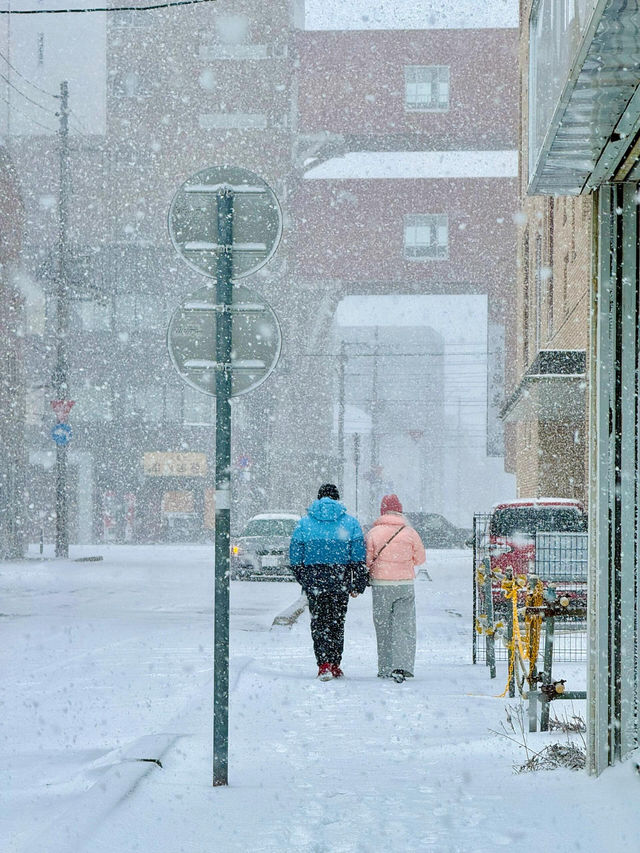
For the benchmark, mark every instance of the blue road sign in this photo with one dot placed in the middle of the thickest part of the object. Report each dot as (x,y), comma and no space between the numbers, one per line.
(61,434)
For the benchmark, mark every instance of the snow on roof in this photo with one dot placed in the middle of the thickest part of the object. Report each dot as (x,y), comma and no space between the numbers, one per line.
(386,165)
(410,14)
(537,502)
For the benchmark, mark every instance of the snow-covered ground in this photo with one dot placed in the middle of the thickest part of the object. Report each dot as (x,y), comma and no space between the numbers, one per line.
(107,662)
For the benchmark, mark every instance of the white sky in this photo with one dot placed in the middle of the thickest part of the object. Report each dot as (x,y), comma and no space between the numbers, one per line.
(410,14)
(418,164)
(47,49)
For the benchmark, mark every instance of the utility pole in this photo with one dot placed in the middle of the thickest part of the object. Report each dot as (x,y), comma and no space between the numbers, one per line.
(341,409)
(224,295)
(60,373)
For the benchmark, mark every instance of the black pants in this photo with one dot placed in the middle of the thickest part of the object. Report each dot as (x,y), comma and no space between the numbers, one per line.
(328,611)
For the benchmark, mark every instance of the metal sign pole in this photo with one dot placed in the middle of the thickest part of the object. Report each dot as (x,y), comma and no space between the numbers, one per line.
(248,228)
(224,290)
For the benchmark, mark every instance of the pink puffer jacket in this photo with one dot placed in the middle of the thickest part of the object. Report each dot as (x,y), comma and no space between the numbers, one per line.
(396,562)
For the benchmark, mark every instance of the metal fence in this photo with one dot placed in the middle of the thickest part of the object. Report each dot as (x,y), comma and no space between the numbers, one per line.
(561,563)
(562,557)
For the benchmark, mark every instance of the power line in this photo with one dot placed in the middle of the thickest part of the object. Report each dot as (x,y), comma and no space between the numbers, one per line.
(26,97)
(28,117)
(15,70)
(102,8)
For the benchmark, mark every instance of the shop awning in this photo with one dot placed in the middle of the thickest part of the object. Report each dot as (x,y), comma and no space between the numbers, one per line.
(552,389)
(584,111)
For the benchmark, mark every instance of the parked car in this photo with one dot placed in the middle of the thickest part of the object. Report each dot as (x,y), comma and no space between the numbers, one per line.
(436,531)
(511,545)
(261,552)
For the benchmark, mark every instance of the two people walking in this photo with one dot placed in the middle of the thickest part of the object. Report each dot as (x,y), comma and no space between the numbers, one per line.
(331,561)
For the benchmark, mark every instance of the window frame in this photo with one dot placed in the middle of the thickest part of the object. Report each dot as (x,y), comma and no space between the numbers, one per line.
(422,221)
(435,105)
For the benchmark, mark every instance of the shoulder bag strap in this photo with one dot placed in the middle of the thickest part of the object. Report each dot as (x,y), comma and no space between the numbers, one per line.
(399,530)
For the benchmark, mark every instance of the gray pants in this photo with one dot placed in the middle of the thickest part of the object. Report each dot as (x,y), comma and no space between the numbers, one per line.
(394,617)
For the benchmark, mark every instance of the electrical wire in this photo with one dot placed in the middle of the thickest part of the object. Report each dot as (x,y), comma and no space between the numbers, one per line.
(103,8)
(39,88)
(26,97)
(28,117)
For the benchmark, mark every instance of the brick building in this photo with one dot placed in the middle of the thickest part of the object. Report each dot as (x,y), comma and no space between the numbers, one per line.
(546,410)
(408,139)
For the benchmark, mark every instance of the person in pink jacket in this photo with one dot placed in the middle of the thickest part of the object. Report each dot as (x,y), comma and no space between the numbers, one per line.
(393,550)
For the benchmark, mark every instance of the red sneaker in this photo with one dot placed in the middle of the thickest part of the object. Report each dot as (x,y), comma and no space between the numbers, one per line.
(325,672)
(336,671)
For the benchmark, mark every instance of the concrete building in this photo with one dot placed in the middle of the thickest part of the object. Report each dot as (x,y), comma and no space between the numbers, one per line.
(392,384)
(583,140)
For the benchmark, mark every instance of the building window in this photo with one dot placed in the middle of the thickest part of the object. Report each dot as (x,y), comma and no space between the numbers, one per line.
(426,236)
(129,85)
(197,408)
(538,286)
(426,88)
(565,285)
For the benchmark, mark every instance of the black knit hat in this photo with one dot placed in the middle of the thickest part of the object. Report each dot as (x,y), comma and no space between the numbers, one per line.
(329,491)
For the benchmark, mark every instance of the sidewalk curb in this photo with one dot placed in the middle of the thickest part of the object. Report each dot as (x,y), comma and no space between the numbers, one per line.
(124,770)
(291,615)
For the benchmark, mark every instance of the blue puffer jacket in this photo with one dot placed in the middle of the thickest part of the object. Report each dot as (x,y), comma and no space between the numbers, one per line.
(324,542)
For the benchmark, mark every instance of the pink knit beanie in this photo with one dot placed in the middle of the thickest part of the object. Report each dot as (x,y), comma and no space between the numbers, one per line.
(390,503)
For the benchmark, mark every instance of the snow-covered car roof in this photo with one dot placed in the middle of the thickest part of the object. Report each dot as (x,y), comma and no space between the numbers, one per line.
(568,502)
(271,515)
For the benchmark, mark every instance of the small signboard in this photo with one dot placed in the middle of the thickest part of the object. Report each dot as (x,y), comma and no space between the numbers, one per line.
(61,433)
(257,220)
(191,340)
(168,464)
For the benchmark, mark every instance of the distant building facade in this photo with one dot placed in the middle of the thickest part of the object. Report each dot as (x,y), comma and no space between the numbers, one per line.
(141,457)
(408,139)
(12,375)
(177,90)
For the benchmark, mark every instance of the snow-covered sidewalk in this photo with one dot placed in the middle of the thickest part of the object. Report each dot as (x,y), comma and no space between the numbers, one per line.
(109,662)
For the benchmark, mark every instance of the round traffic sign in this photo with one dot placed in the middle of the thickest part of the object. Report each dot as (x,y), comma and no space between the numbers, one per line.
(256,221)
(255,334)
(61,434)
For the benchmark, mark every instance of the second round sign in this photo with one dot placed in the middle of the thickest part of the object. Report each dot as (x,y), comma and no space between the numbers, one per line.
(256,337)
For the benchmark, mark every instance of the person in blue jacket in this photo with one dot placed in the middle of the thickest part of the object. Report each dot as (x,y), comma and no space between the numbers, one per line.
(327,556)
